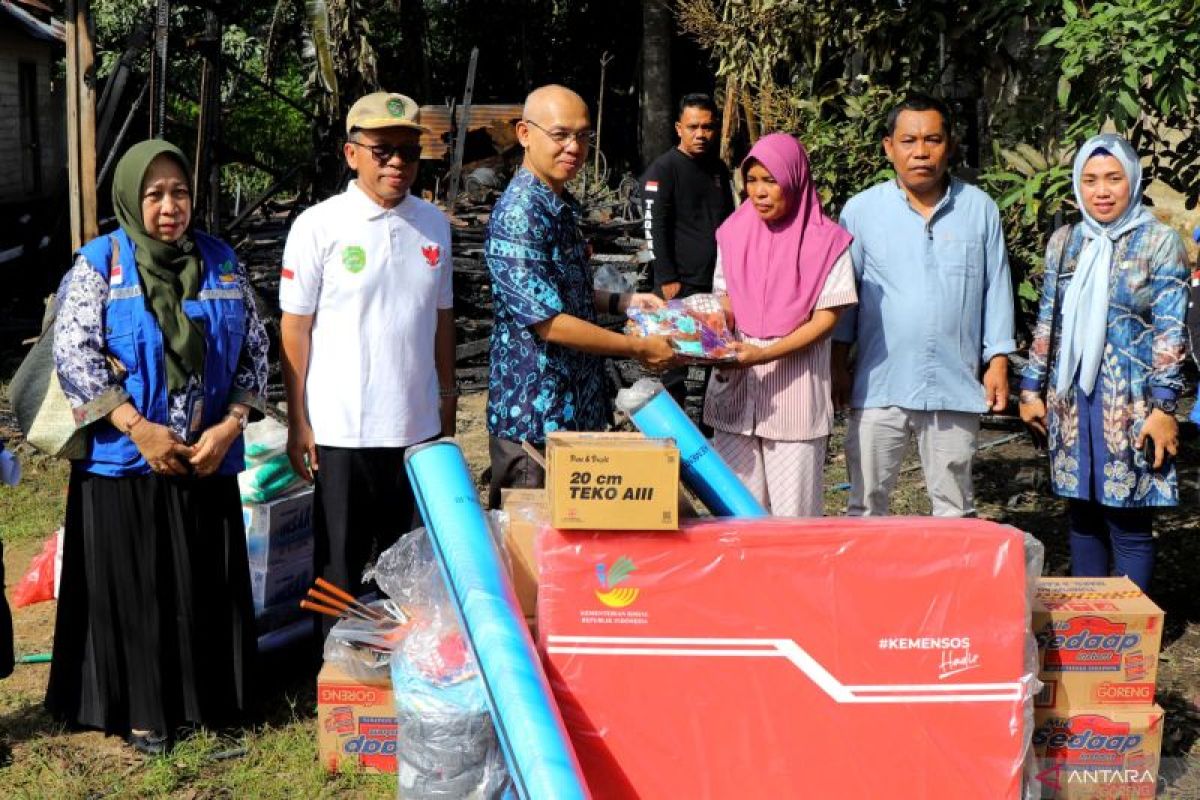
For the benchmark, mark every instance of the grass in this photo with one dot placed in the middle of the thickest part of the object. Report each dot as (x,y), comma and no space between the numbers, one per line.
(277,758)
(34,508)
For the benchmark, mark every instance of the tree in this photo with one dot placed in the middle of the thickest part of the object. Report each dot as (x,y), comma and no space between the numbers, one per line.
(656,105)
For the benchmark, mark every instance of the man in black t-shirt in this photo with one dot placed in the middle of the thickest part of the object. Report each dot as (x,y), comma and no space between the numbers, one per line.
(686,193)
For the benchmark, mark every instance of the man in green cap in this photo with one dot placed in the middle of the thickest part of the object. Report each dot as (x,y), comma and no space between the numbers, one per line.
(367,339)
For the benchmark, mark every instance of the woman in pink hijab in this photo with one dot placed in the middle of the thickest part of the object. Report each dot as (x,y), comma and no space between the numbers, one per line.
(786,270)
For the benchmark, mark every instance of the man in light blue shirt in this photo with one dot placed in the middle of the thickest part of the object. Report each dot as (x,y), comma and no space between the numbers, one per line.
(935,310)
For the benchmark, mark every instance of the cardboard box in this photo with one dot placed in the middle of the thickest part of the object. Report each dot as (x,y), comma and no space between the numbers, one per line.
(280,584)
(279,530)
(612,481)
(528,510)
(356,722)
(1098,642)
(1098,753)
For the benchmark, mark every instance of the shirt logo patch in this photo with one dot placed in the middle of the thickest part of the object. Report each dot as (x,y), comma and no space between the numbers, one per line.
(116,275)
(354,258)
(651,186)
(287,274)
(433,254)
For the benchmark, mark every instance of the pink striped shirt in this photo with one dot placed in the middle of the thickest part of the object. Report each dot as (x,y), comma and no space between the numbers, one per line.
(787,399)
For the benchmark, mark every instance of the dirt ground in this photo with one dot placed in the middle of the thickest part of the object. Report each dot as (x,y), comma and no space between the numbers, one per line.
(1011,487)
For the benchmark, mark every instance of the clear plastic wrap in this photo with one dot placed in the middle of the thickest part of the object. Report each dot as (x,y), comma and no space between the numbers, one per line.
(607,278)
(631,398)
(362,648)
(852,658)
(268,473)
(447,745)
(1035,559)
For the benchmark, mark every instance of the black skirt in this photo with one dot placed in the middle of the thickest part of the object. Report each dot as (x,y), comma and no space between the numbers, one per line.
(155,625)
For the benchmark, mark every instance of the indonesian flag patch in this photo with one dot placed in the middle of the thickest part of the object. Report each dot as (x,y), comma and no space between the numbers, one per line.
(287,274)
(116,275)
(651,186)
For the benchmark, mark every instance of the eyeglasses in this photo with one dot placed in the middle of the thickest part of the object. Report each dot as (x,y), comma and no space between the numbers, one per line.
(585,138)
(383,153)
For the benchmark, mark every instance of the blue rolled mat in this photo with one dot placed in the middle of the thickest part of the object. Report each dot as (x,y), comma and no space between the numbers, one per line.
(704,471)
(536,748)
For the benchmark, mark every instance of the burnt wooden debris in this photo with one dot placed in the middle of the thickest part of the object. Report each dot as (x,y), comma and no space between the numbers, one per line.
(616,242)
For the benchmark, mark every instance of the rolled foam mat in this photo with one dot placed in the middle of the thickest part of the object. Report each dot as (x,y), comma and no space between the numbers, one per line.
(536,747)
(704,471)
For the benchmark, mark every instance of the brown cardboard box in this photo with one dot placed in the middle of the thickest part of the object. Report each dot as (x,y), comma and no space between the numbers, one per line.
(1098,753)
(527,511)
(612,481)
(355,722)
(1098,642)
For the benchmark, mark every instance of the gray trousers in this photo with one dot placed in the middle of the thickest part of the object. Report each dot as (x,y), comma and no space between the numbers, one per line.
(511,468)
(876,439)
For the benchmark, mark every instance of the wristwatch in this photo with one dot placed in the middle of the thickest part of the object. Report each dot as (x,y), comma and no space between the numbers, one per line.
(1165,406)
(242,419)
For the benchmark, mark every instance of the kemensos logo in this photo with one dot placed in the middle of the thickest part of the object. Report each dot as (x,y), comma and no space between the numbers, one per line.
(611,593)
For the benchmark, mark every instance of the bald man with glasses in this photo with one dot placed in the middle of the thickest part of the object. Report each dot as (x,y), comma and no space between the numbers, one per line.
(367,339)
(547,370)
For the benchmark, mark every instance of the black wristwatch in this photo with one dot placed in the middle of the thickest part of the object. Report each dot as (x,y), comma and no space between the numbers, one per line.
(1165,406)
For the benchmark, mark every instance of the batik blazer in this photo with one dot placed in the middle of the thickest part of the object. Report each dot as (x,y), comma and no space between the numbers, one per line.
(1092,443)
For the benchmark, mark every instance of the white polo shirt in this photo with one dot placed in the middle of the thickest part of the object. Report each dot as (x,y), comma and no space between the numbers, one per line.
(375,279)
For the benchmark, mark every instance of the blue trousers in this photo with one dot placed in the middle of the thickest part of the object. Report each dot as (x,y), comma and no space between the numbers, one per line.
(1107,541)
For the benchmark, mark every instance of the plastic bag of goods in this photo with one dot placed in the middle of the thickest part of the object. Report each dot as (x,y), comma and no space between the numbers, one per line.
(446,742)
(363,648)
(40,581)
(268,472)
(695,326)
(608,278)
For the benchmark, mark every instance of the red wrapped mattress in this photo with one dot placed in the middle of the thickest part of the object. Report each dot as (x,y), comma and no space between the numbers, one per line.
(848,658)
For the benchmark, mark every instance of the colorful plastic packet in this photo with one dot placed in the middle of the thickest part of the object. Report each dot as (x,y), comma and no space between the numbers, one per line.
(695,325)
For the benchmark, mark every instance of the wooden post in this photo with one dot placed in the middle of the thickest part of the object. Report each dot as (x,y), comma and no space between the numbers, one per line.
(604,59)
(81,123)
(158,70)
(207,179)
(729,121)
(461,140)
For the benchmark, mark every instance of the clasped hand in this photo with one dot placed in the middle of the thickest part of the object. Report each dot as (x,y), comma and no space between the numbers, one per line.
(167,454)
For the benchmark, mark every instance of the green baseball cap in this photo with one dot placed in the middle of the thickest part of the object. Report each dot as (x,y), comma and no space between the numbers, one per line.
(384,110)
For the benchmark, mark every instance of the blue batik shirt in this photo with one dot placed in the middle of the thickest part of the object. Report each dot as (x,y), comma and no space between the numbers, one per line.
(538,262)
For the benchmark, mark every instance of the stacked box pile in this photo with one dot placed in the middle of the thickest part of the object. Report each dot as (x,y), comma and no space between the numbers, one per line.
(279,544)
(1098,732)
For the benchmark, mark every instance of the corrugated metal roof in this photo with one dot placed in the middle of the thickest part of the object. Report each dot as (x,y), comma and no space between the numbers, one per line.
(52,31)
(436,144)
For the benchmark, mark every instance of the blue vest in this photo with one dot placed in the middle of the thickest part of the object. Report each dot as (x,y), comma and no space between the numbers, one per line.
(132,335)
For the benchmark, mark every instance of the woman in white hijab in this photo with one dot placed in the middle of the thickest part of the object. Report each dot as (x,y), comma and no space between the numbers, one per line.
(1105,367)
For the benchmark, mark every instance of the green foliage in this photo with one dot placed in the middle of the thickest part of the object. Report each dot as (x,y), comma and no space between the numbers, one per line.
(1132,64)
(1123,60)
(842,131)
(1031,189)
(829,71)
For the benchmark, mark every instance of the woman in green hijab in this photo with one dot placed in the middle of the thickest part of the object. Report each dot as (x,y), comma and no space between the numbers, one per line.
(162,355)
